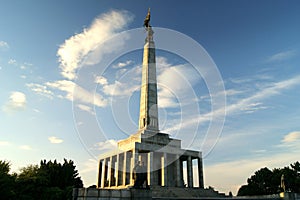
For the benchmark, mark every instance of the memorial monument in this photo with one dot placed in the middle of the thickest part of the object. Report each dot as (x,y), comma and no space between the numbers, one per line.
(149,164)
(162,156)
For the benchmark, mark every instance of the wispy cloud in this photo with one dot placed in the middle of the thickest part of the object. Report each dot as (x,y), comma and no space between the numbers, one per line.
(75,92)
(40,89)
(226,176)
(251,108)
(89,166)
(55,140)
(245,104)
(16,102)
(284,55)
(106,145)
(4,45)
(292,137)
(12,62)
(25,147)
(122,64)
(123,87)
(86,108)
(74,50)
(4,143)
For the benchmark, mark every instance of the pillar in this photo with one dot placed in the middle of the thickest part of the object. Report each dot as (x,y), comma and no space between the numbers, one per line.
(100,173)
(128,167)
(120,169)
(105,175)
(164,171)
(150,168)
(200,172)
(117,170)
(178,171)
(135,157)
(190,171)
(124,168)
(109,172)
(156,169)
(181,172)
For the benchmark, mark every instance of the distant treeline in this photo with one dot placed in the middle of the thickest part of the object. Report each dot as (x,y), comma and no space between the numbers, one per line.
(49,180)
(266,181)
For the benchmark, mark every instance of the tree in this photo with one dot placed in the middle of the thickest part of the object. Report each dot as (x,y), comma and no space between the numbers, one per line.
(50,180)
(7,181)
(264,181)
(30,184)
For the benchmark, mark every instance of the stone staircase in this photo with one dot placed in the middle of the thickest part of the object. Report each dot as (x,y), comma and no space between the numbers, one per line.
(184,193)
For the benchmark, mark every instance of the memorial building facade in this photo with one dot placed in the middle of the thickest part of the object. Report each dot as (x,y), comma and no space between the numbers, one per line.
(161,159)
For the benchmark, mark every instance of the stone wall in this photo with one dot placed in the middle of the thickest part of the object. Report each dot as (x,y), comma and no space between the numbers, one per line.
(111,194)
(165,193)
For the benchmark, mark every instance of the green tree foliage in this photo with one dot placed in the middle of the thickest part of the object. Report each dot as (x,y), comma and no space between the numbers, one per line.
(50,180)
(266,181)
(6,181)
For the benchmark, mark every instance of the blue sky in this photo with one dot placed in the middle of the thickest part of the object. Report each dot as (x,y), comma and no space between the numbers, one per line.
(57,100)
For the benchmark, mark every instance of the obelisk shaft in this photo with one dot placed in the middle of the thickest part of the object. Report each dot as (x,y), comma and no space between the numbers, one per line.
(148,101)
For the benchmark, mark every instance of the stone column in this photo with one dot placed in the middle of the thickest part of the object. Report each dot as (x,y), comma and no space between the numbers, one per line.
(181,174)
(178,171)
(109,172)
(164,171)
(100,173)
(117,170)
(150,168)
(124,168)
(190,171)
(105,172)
(120,169)
(134,160)
(200,172)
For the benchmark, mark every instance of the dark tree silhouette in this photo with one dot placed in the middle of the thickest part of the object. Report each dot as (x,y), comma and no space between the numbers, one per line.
(50,180)
(6,181)
(266,181)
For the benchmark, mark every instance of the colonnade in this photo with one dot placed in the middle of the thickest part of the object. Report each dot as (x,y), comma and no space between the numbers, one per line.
(163,169)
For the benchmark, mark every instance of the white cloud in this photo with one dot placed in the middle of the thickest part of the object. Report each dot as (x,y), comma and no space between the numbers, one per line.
(4,143)
(241,105)
(17,101)
(86,108)
(122,64)
(77,93)
(74,50)
(12,62)
(175,82)
(107,145)
(119,89)
(284,55)
(4,44)
(252,107)
(55,140)
(226,176)
(268,91)
(40,89)
(36,110)
(101,80)
(90,165)
(25,147)
(291,137)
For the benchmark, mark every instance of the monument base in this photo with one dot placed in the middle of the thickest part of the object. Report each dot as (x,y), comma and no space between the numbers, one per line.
(156,192)
(116,194)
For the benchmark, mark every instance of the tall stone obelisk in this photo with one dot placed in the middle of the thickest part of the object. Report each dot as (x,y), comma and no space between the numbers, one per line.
(148,101)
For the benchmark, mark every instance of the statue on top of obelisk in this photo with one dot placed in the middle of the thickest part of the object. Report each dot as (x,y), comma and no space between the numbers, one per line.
(148,27)
(147,19)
